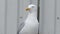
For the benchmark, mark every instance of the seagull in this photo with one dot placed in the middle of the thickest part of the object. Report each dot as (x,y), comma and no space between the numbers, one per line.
(31,22)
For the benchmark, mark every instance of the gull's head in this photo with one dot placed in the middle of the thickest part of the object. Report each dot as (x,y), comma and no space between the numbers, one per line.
(30,7)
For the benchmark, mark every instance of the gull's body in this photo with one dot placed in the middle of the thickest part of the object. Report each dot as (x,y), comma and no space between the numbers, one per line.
(31,23)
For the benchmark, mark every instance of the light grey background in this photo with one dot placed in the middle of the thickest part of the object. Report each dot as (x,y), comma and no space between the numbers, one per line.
(12,8)
(57,16)
(47,17)
(13,12)
(2,16)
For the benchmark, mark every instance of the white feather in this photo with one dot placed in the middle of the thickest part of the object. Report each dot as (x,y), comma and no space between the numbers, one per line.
(31,23)
(30,6)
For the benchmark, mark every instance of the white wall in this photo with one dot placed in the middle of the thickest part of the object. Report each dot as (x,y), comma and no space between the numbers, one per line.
(57,17)
(47,17)
(12,7)
(2,16)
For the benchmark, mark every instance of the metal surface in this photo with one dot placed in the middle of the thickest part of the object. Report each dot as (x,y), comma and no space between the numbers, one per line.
(47,16)
(11,17)
(2,16)
(57,17)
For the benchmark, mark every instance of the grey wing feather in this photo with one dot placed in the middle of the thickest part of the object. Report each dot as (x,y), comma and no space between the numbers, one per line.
(20,26)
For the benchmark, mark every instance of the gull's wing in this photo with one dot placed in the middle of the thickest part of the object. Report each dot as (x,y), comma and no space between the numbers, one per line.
(20,26)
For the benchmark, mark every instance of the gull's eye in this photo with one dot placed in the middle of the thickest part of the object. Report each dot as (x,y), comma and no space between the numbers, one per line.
(32,6)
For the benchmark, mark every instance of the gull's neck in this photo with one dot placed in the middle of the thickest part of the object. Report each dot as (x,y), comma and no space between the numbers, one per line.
(33,14)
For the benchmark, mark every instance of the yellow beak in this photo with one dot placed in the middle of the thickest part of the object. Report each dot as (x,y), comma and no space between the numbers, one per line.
(28,9)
